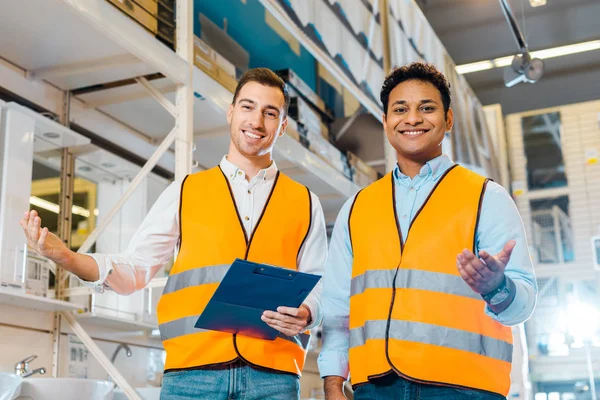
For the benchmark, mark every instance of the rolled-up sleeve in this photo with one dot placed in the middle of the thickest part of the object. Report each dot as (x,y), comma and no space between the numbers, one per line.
(500,222)
(333,360)
(151,247)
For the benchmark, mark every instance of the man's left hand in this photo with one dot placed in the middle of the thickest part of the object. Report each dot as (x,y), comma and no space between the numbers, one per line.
(287,320)
(486,274)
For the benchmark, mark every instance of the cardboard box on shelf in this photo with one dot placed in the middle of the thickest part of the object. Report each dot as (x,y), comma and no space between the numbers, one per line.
(166,34)
(165,15)
(162,10)
(361,179)
(228,81)
(38,275)
(293,130)
(225,45)
(149,5)
(226,66)
(205,58)
(290,77)
(170,4)
(329,153)
(137,13)
(293,133)
(324,130)
(362,171)
(302,113)
(304,141)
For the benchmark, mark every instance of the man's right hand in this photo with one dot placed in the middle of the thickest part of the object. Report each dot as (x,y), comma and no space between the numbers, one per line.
(50,246)
(43,242)
(334,388)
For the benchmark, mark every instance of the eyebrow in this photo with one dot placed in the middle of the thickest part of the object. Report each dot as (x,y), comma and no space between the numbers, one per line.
(268,106)
(424,101)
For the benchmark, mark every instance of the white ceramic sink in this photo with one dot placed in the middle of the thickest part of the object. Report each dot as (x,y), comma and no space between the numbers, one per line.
(146,393)
(65,389)
(10,386)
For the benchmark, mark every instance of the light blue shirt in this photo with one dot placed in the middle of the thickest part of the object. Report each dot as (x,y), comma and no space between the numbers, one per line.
(499,222)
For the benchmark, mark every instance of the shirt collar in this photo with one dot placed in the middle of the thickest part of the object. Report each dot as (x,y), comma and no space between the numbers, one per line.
(232,172)
(433,168)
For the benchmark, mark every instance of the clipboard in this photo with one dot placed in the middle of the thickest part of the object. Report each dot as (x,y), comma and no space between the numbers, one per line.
(246,291)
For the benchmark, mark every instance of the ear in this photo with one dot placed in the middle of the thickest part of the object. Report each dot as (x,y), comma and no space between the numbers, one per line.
(449,120)
(284,125)
(230,113)
(384,119)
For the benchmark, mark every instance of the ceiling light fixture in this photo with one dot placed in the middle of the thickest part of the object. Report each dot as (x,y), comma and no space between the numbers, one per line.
(47,205)
(51,135)
(108,164)
(542,54)
(537,3)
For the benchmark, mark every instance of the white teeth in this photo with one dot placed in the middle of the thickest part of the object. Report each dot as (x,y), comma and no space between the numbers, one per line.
(413,133)
(251,135)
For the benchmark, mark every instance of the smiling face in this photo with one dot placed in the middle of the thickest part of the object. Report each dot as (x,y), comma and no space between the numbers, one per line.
(256,120)
(415,123)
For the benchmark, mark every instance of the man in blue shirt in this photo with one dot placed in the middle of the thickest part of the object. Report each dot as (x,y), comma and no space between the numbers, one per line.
(493,274)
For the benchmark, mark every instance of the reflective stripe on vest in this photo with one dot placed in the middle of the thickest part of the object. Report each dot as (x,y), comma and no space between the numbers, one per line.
(197,277)
(435,335)
(410,311)
(212,237)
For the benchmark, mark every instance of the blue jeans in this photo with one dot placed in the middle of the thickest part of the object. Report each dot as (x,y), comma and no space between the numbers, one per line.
(401,389)
(233,381)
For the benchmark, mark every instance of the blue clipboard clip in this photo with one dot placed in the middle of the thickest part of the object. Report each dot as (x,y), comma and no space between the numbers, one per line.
(247,290)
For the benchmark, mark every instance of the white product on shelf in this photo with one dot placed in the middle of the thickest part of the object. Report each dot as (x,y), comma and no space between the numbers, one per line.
(362,174)
(329,153)
(152,294)
(16,155)
(38,275)
(305,115)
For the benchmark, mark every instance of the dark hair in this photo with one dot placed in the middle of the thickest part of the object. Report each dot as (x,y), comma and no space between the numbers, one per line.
(266,77)
(416,71)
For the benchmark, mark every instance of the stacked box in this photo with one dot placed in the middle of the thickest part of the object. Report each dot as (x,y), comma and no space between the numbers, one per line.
(217,67)
(297,84)
(158,17)
(144,15)
(362,173)
(302,113)
(165,16)
(329,153)
(292,130)
(38,275)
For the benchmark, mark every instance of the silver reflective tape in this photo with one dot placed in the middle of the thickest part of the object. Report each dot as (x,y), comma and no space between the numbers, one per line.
(195,277)
(433,334)
(186,326)
(413,279)
(179,327)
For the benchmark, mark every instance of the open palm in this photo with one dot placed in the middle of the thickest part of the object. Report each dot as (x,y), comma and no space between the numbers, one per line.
(40,239)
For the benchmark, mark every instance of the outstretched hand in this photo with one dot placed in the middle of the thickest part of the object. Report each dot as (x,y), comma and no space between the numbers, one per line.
(486,273)
(40,239)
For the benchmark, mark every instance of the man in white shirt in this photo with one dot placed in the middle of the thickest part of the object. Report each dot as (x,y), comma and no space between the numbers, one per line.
(214,216)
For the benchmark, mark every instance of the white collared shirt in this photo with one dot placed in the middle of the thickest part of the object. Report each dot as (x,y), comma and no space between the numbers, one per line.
(154,243)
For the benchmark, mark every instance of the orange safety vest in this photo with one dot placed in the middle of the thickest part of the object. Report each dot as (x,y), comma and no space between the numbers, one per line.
(212,237)
(410,311)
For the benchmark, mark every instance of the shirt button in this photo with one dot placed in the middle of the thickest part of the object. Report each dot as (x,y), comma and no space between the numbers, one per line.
(404,216)
(247,218)
(239,172)
(412,189)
